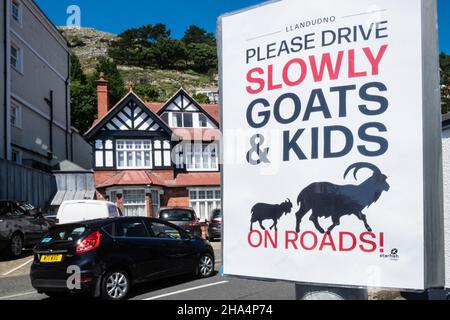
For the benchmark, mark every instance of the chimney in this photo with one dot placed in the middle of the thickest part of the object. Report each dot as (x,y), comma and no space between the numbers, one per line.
(102,96)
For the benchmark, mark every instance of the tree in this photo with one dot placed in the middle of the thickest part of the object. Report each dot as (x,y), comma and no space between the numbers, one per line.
(445,82)
(202,57)
(167,53)
(82,97)
(76,72)
(201,98)
(83,104)
(196,34)
(131,45)
(147,92)
(116,85)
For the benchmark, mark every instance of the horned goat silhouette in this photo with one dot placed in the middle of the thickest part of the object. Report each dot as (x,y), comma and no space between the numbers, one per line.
(327,200)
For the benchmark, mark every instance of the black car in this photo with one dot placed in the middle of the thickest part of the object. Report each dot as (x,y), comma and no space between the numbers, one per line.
(21,226)
(215,225)
(113,254)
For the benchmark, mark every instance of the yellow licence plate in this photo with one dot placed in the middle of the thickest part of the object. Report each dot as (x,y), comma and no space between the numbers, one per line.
(54,258)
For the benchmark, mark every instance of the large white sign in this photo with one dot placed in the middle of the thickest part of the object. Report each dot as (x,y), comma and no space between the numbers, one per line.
(323,175)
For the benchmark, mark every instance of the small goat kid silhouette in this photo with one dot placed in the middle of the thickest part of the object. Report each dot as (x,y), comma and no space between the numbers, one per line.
(327,200)
(263,211)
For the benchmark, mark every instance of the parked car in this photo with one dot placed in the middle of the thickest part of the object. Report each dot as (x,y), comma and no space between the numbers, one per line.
(182,217)
(21,226)
(114,254)
(215,225)
(82,210)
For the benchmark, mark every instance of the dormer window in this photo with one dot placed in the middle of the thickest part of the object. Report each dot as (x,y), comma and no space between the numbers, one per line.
(182,120)
(202,121)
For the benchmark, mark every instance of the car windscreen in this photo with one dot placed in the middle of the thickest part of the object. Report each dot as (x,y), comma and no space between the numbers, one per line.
(177,215)
(65,234)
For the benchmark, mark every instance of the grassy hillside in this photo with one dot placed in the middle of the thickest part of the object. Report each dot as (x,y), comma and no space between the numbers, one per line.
(90,44)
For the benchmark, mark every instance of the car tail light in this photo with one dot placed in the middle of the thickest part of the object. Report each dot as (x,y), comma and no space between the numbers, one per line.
(86,279)
(91,242)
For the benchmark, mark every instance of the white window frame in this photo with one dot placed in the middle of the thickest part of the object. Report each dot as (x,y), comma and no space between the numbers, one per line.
(141,204)
(16,109)
(18,66)
(196,201)
(195,120)
(174,123)
(19,16)
(103,151)
(191,154)
(133,150)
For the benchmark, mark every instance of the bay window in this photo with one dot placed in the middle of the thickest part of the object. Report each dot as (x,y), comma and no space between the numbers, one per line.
(204,201)
(134,203)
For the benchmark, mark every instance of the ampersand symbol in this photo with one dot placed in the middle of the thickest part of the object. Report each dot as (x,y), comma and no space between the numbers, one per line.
(256,141)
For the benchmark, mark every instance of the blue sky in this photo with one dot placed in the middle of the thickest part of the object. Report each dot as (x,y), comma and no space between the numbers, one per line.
(118,15)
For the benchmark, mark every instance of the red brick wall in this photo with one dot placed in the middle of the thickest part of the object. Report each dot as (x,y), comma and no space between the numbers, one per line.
(175,197)
(102,97)
(165,174)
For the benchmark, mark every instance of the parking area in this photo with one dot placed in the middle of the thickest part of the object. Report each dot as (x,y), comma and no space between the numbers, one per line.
(16,267)
(15,285)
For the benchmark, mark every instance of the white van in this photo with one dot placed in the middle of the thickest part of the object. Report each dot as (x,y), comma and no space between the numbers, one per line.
(82,210)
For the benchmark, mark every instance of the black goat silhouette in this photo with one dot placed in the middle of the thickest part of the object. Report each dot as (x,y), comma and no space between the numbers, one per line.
(329,200)
(263,211)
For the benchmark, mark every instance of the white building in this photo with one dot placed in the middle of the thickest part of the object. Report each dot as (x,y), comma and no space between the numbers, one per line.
(38,133)
(446,157)
(35,131)
(3,64)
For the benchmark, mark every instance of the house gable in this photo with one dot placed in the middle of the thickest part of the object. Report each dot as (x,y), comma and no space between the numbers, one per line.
(182,102)
(130,116)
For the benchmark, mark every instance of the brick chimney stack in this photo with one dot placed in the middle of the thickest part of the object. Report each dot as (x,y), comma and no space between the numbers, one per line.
(102,96)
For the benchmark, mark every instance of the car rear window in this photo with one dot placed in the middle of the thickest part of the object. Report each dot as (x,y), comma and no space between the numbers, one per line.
(217,214)
(66,234)
(177,215)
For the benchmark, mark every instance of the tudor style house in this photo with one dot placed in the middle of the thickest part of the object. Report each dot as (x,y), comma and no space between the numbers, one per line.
(151,155)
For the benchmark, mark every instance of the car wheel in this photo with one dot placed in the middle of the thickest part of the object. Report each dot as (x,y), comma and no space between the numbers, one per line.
(205,266)
(116,285)
(15,245)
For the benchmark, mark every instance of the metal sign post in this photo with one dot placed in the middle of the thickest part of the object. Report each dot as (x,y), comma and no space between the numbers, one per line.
(309,292)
